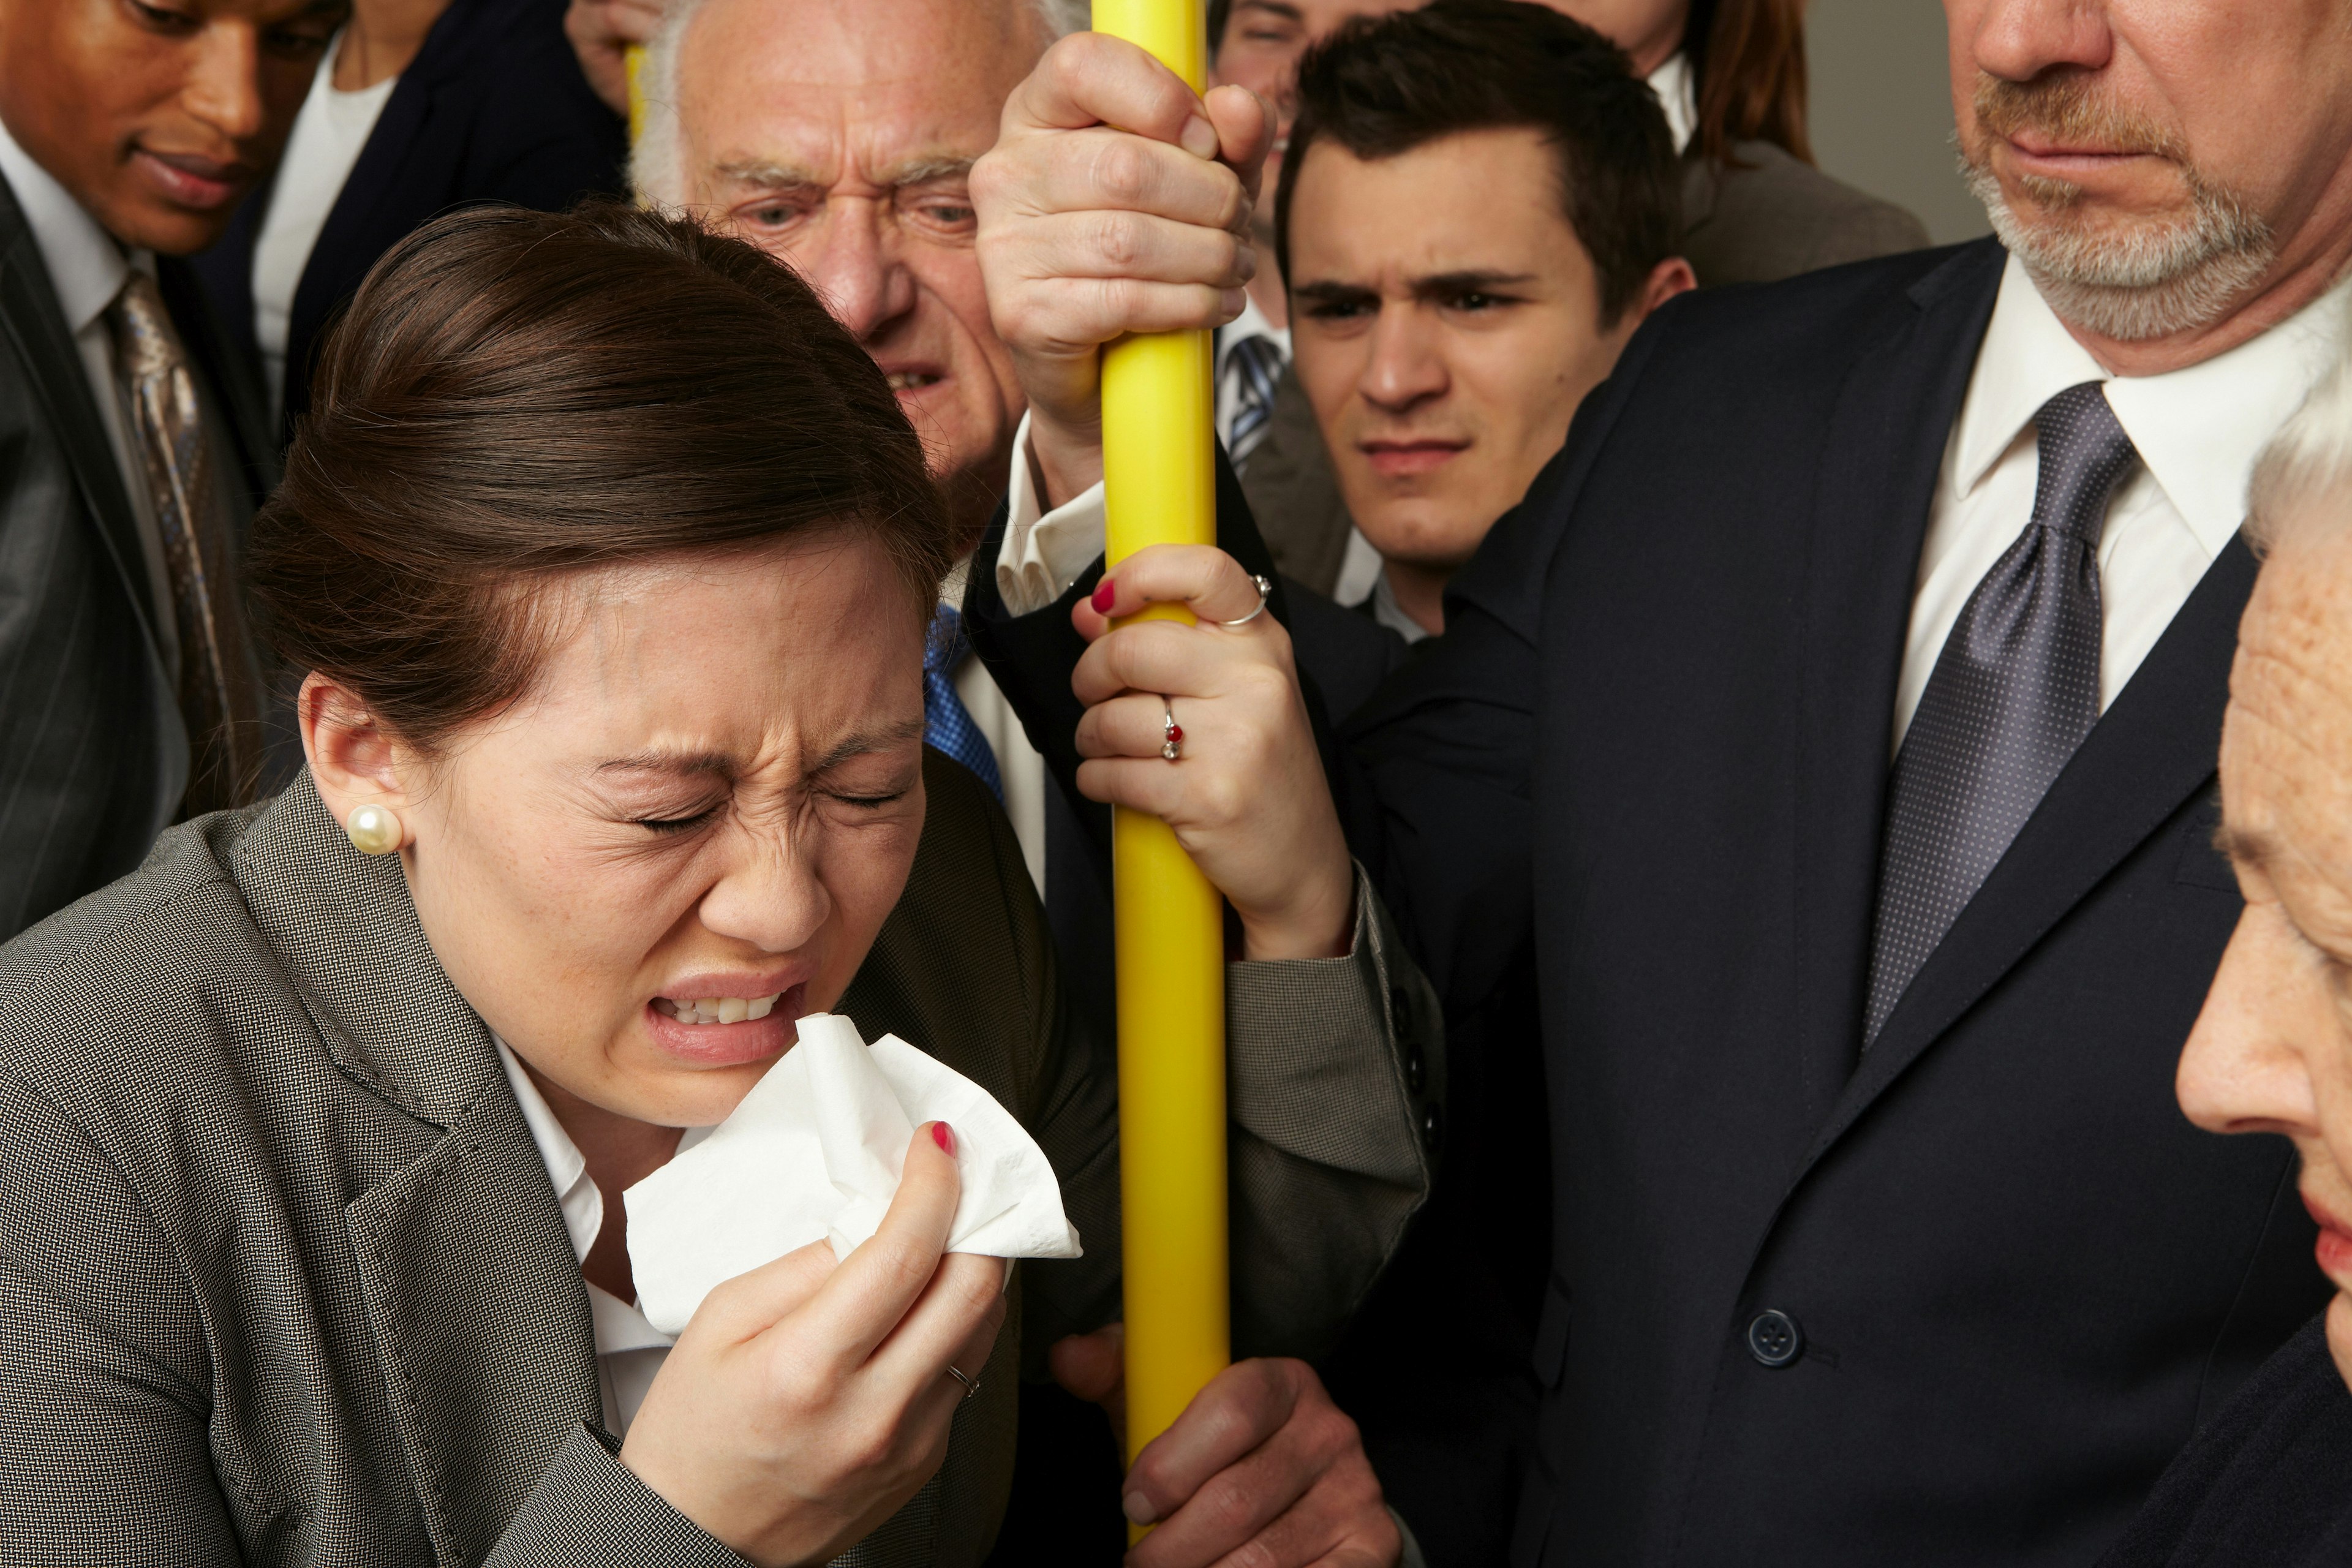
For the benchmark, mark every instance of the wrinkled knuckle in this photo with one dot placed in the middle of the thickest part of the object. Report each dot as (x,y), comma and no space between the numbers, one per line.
(1116,241)
(1123,171)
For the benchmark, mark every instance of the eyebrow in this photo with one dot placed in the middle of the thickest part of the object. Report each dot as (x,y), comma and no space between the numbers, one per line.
(717,764)
(1286,12)
(763,174)
(2255,851)
(1436,285)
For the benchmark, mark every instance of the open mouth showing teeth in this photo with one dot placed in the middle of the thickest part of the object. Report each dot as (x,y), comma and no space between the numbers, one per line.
(910,380)
(715,1009)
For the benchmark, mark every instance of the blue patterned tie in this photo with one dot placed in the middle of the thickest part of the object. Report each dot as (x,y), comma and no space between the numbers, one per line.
(947,722)
(2013,693)
(1255,364)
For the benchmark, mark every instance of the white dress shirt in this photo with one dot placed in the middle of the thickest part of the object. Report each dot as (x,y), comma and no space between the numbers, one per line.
(1045,551)
(326,140)
(2198,431)
(629,1350)
(87,267)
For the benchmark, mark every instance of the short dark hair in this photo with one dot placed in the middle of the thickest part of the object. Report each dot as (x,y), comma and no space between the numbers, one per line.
(1379,86)
(514,397)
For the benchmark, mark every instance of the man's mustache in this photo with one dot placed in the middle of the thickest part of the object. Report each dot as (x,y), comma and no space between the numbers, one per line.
(2066,108)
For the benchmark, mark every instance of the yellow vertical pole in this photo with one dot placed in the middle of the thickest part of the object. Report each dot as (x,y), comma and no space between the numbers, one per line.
(1160,481)
(632,60)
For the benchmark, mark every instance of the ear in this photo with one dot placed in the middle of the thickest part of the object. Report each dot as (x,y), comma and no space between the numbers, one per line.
(354,759)
(1667,278)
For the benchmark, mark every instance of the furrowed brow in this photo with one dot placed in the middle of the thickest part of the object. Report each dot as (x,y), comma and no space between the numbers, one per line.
(1326,292)
(705,765)
(925,170)
(881,738)
(1472,281)
(766,176)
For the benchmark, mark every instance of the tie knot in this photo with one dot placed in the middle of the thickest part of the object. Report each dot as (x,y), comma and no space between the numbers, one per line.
(943,644)
(143,328)
(2084,455)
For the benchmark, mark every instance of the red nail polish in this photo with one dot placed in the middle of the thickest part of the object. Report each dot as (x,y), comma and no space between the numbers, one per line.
(1106,596)
(943,1138)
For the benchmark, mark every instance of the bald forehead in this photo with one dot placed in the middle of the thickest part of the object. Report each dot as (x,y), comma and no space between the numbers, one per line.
(964,48)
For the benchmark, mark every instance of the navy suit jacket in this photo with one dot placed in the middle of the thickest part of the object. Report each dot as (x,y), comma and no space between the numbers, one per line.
(1653,749)
(493,109)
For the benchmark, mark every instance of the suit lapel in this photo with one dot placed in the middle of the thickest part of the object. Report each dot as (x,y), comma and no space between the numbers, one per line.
(37,329)
(2157,746)
(473,1293)
(1886,448)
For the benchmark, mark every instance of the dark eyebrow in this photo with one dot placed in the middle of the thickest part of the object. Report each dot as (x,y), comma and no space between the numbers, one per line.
(881,739)
(1333,293)
(711,765)
(1474,281)
(1288,12)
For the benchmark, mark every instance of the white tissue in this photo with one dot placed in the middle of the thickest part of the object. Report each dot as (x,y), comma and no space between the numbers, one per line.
(814,1152)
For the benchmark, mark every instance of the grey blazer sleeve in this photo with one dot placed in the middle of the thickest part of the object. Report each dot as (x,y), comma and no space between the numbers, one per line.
(1336,1077)
(106,1372)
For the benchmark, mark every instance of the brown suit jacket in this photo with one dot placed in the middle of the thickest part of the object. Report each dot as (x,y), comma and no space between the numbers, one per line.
(283,1279)
(1761,218)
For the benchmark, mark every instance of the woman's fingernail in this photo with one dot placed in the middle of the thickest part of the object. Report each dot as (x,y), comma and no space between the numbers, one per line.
(1106,596)
(1138,1509)
(1200,138)
(942,1137)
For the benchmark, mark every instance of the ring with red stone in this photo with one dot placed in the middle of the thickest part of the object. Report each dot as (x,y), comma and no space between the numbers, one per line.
(1171,733)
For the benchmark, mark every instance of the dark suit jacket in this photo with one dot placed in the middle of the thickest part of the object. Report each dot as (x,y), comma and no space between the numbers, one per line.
(2263,1484)
(1653,742)
(93,753)
(1760,217)
(493,109)
(282,1279)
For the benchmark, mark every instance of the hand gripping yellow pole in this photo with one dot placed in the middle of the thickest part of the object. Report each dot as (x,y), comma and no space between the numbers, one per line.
(1158,470)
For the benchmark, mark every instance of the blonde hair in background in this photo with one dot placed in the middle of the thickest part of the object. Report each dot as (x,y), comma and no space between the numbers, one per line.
(2308,461)
(657,162)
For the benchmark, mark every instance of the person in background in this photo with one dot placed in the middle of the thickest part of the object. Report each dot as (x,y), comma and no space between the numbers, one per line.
(1830,732)
(2262,1483)
(1476,211)
(130,695)
(1479,206)
(1730,75)
(420,106)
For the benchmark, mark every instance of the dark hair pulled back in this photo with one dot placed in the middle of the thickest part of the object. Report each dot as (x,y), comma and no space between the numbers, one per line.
(516,397)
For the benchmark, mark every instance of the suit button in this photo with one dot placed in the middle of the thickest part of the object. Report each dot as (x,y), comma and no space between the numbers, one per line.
(1416,1072)
(1774,1340)
(1399,1008)
(1432,1129)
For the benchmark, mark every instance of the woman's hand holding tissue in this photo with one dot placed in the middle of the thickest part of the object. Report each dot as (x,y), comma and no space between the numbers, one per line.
(1261,1458)
(808,1399)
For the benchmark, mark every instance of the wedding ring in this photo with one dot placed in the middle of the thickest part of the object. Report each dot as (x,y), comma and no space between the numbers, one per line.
(1171,733)
(970,1386)
(1265,592)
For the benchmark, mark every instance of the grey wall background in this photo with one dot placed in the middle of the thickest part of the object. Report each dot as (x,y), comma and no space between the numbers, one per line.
(1881,108)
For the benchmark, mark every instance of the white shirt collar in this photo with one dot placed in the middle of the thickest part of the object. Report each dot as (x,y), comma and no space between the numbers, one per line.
(1678,92)
(2199,430)
(86,265)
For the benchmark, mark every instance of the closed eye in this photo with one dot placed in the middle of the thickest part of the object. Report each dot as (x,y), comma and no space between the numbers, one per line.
(674,824)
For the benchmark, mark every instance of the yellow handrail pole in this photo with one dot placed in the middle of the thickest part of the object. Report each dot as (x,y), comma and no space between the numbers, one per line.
(1160,481)
(633,61)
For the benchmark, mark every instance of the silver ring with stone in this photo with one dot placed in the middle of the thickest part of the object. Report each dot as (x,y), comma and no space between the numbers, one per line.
(1265,592)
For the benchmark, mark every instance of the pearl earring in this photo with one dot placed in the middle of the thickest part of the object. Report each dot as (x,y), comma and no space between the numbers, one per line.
(373,830)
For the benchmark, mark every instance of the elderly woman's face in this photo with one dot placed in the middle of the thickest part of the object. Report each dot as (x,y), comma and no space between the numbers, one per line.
(689,833)
(2273,1050)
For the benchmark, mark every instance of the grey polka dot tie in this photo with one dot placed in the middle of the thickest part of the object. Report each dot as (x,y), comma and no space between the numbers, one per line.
(2013,693)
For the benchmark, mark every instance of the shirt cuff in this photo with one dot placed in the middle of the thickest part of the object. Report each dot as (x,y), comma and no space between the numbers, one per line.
(1043,554)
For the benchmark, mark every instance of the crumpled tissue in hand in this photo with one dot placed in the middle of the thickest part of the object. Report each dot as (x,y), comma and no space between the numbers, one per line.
(814,1152)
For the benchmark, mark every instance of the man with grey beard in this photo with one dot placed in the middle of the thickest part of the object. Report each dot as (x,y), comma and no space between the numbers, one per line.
(1829,740)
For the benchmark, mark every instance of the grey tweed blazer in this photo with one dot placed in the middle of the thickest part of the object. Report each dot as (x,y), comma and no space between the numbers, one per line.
(283,1279)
